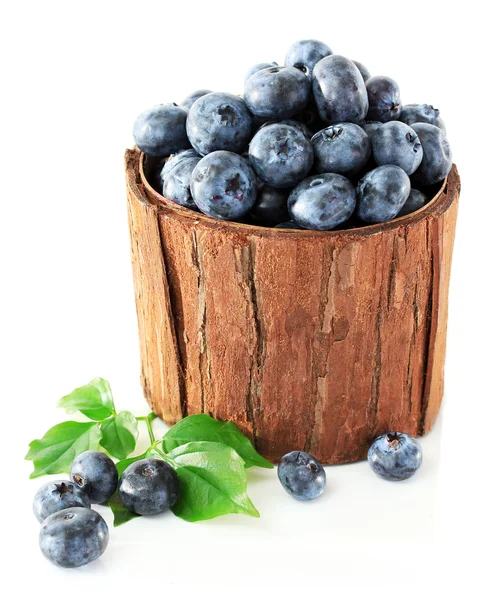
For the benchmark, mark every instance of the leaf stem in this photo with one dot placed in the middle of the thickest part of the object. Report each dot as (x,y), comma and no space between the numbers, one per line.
(148,420)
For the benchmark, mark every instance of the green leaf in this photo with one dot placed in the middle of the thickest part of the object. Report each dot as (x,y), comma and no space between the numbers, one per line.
(94,400)
(57,449)
(120,512)
(203,428)
(213,481)
(119,434)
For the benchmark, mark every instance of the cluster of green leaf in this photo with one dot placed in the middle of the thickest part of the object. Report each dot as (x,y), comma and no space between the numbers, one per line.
(209,456)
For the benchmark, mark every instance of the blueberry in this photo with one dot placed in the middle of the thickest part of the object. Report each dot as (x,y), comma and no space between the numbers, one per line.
(96,474)
(342,148)
(305,54)
(371,127)
(193,97)
(437,156)
(414,202)
(299,125)
(395,456)
(421,113)
(173,160)
(381,194)
(384,99)
(281,155)
(288,225)
(57,495)
(395,143)
(219,121)
(339,91)
(322,201)
(310,117)
(161,130)
(301,475)
(176,183)
(256,68)
(224,185)
(362,69)
(149,487)
(271,206)
(73,537)
(277,92)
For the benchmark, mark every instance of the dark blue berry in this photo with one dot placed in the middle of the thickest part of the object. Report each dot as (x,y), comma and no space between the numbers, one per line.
(381,194)
(176,183)
(277,92)
(305,54)
(193,97)
(219,121)
(256,68)
(383,98)
(395,456)
(415,201)
(301,475)
(342,148)
(437,156)
(339,91)
(421,113)
(224,185)
(149,487)
(395,143)
(271,206)
(96,474)
(281,155)
(73,537)
(362,69)
(57,495)
(371,127)
(172,161)
(322,201)
(161,130)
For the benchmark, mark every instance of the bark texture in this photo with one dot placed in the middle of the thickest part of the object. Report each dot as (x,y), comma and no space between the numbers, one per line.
(306,340)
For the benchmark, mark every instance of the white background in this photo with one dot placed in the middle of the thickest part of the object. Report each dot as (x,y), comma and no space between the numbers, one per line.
(74,77)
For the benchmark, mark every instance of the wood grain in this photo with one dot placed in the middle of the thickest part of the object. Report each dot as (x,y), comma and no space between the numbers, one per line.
(306,340)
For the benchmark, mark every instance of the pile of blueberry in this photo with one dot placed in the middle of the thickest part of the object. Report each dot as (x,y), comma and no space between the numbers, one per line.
(315,144)
(72,534)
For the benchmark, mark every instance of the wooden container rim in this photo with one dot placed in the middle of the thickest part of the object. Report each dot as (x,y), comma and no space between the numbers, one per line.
(441,201)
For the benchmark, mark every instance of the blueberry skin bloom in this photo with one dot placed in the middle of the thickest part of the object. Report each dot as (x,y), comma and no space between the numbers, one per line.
(437,155)
(395,456)
(421,113)
(322,201)
(363,70)
(381,194)
(277,92)
(161,130)
(371,127)
(305,54)
(149,487)
(342,148)
(271,206)
(414,202)
(176,183)
(384,99)
(301,475)
(281,155)
(395,143)
(57,495)
(193,97)
(173,160)
(339,91)
(96,474)
(73,537)
(256,68)
(219,121)
(224,186)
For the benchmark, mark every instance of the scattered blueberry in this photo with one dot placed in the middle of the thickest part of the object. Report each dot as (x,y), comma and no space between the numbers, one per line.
(305,54)
(176,183)
(414,202)
(277,92)
(57,495)
(342,148)
(362,69)
(73,537)
(256,68)
(421,113)
(437,156)
(191,98)
(271,206)
(96,474)
(322,201)
(384,99)
(219,121)
(395,456)
(161,130)
(224,185)
(381,194)
(395,143)
(301,475)
(339,90)
(281,155)
(149,487)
